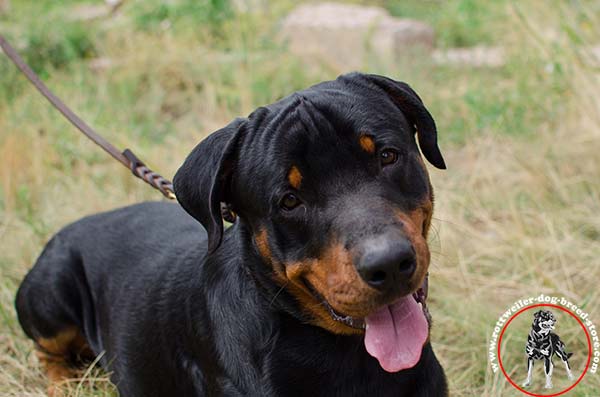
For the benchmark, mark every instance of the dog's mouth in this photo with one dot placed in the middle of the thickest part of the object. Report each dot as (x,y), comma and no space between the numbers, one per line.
(396,333)
(420,296)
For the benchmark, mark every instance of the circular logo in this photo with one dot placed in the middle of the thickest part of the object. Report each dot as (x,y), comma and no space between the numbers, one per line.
(544,350)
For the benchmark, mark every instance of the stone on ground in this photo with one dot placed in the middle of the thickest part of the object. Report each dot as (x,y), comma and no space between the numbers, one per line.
(345,35)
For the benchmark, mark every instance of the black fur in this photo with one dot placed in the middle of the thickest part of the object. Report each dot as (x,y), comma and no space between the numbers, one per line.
(182,310)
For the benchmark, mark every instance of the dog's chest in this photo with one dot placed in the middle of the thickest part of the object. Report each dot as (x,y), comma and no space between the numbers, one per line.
(339,368)
(540,342)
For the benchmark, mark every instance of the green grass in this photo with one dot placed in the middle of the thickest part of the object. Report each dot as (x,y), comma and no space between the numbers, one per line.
(517,210)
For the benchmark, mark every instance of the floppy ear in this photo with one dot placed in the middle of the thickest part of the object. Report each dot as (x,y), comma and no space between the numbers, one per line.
(413,108)
(203,181)
(537,314)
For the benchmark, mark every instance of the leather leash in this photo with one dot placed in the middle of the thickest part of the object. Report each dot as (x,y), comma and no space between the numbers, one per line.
(127,158)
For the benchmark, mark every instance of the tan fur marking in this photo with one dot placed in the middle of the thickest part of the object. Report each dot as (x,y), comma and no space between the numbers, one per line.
(57,371)
(416,225)
(54,354)
(333,275)
(427,213)
(262,244)
(290,278)
(367,143)
(60,343)
(295,177)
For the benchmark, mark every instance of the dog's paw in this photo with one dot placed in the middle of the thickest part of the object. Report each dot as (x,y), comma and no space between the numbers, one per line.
(548,385)
(526,383)
(570,375)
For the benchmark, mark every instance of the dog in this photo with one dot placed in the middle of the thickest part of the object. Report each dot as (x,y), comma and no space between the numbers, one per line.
(543,344)
(317,289)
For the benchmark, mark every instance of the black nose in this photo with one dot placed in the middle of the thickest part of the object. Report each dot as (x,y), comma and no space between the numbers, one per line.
(386,262)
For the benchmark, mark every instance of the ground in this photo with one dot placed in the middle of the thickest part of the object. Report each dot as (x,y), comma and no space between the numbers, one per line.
(517,211)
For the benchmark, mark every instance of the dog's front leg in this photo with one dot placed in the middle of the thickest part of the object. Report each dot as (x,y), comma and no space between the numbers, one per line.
(548,367)
(529,372)
(569,373)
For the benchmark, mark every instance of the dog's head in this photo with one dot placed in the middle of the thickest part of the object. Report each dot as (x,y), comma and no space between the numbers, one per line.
(335,199)
(543,321)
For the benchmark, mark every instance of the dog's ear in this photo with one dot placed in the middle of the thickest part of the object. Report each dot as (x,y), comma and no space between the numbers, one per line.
(413,108)
(537,314)
(203,181)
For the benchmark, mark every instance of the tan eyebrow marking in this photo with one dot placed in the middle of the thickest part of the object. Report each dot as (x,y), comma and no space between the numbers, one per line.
(295,177)
(367,143)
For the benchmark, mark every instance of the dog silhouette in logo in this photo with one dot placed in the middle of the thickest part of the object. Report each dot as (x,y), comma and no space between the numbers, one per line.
(543,344)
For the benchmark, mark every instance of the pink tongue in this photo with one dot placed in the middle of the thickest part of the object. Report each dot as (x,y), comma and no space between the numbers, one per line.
(395,335)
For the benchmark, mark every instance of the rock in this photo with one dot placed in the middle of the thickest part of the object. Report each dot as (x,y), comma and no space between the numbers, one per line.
(345,35)
(4,7)
(479,56)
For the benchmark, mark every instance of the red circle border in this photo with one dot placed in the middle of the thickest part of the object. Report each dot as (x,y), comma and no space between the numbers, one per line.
(589,342)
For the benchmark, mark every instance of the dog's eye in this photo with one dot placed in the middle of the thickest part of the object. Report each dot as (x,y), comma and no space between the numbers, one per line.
(289,202)
(388,157)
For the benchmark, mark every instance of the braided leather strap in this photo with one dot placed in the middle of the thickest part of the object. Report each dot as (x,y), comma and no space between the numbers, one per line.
(139,169)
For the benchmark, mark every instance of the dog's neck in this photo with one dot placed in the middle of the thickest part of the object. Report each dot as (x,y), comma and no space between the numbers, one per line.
(261,272)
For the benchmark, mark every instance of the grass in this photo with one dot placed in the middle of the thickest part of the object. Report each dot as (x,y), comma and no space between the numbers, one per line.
(518,210)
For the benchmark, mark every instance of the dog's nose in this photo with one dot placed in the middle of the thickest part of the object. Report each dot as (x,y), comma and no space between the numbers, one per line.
(386,262)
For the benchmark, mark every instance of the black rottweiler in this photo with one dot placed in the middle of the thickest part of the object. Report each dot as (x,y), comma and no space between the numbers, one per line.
(543,344)
(318,289)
